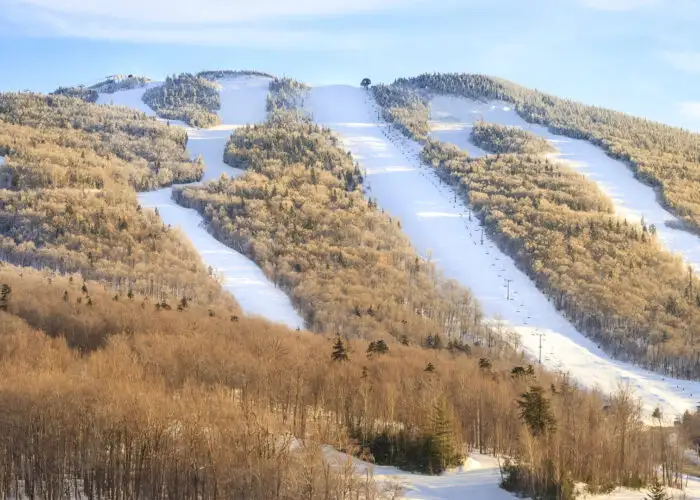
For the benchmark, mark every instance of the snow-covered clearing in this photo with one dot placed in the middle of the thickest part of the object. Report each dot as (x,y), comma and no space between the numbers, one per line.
(451,121)
(242,102)
(439,226)
(477,479)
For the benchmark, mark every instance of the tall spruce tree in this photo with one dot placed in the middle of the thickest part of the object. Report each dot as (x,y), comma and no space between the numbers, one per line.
(339,353)
(536,412)
(444,448)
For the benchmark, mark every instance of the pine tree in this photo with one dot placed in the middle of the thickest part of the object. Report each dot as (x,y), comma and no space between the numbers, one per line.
(484,364)
(443,446)
(536,412)
(339,353)
(657,491)
(430,368)
(5,294)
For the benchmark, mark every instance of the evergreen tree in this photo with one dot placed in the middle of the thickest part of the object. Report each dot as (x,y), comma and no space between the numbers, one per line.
(430,368)
(536,412)
(5,294)
(657,491)
(339,353)
(378,347)
(484,364)
(443,445)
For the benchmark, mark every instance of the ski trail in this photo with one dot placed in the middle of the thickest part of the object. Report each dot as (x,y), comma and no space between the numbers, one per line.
(451,121)
(242,102)
(441,227)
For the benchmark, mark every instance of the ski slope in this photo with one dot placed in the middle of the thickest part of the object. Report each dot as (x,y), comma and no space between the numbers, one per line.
(439,226)
(242,102)
(451,121)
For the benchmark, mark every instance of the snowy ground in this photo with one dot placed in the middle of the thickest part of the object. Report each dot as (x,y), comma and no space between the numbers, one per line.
(440,226)
(242,102)
(477,479)
(452,119)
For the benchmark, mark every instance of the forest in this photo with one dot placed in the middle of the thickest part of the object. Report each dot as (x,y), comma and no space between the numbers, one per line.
(286,94)
(226,73)
(116,83)
(406,109)
(71,171)
(82,93)
(612,279)
(186,97)
(665,157)
(123,397)
(300,214)
(501,139)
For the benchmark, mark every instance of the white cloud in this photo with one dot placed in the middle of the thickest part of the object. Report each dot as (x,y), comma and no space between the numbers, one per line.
(687,61)
(281,24)
(205,11)
(618,5)
(691,109)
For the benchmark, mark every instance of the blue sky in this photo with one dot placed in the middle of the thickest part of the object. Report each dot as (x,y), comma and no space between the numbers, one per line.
(638,56)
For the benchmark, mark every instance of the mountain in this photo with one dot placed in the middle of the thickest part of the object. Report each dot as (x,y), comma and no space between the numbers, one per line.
(389,296)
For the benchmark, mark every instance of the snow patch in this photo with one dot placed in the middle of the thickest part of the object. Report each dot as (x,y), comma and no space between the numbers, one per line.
(451,121)
(504,292)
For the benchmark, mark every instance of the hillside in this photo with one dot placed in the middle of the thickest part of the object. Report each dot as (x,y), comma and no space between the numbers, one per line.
(665,157)
(181,393)
(72,171)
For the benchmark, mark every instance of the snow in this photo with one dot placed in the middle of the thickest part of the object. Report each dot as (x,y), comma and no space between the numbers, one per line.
(128,98)
(243,101)
(438,226)
(452,118)
(477,479)
(241,276)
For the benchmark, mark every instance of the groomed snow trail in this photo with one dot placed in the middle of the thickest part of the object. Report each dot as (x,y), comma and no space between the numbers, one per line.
(439,226)
(242,102)
(452,119)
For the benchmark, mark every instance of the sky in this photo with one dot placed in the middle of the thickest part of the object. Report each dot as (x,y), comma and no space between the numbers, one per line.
(637,56)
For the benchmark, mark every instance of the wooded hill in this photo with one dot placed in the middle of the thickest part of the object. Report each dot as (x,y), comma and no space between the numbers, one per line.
(665,157)
(612,279)
(121,392)
(300,214)
(186,97)
(71,170)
